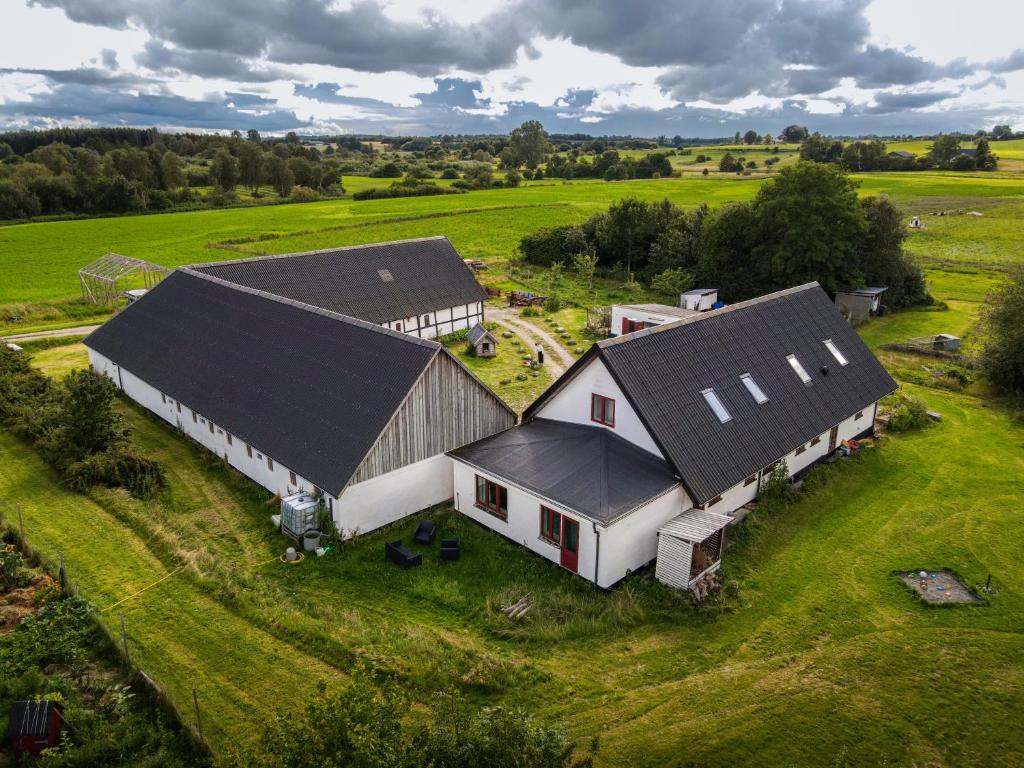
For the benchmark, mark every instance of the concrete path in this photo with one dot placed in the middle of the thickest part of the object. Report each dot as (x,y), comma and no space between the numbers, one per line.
(556,359)
(78,330)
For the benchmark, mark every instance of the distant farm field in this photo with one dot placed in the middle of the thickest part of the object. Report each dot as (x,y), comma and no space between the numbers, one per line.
(39,261)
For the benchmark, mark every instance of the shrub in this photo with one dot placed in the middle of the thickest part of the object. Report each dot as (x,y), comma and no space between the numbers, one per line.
(12,568)
(907,414)
(775,487)
(117,468)
(553,303)
(453,337)
(409,188)
(301,194)
(530,312)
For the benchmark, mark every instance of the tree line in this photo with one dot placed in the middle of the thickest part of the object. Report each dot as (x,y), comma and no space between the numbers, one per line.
(805,224)
(945,153)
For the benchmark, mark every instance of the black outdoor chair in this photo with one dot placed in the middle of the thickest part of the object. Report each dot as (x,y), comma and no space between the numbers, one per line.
(450,549)
(400,555)
(425,532)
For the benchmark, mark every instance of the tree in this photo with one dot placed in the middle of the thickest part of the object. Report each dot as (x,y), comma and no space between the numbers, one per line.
(87,421)
(627,231)
(253,135)
(808,223)
(224,171)
(5,150)
(998,133)
(751,137)
(1002,357)
(529,144)
(943,150)
(172,170)
(984,160)
(815,147)
(793,134)
(250,165)
(277,174)
(585,265)
(881,259)
(728,163)
(672,282)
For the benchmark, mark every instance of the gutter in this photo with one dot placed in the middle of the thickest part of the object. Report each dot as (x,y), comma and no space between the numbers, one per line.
(597,553)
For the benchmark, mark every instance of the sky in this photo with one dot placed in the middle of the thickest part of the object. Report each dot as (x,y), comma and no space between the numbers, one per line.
(604,67)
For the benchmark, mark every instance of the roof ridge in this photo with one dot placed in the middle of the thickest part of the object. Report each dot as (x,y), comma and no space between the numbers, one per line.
(310,308)
(605,343)
(272,256)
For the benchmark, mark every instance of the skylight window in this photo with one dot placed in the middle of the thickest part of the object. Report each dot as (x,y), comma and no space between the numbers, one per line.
(716,405)
(385,275)
(755,391)
(840,358)
(796,366)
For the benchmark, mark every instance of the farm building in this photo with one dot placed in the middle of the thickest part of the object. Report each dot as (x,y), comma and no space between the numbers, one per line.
(419,287)
(627,318)
(646,446)
(300,398)
(482,341)
(699,299)
(858,304)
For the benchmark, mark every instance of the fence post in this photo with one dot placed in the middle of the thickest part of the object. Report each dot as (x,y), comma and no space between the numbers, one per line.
(124,643)
(199,719)
(21,528)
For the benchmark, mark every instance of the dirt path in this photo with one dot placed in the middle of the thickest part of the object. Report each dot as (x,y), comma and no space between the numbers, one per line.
(557,358)
(78,330)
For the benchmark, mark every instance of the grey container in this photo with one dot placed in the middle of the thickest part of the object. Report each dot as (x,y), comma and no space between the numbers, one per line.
(299,513)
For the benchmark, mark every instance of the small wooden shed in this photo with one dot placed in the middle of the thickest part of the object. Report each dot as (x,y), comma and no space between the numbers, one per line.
(33,726)
(481,341)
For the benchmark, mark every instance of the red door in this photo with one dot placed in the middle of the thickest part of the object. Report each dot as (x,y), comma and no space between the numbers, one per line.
(626,323)
(570,543)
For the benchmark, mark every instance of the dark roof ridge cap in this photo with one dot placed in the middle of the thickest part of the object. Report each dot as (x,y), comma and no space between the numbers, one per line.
(605,343)
(310,308)
(271,256)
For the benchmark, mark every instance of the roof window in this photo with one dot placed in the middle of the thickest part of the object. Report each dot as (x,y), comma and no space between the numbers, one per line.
(755,391)
(385,275)
(795,364)
(716,405)
(839,356)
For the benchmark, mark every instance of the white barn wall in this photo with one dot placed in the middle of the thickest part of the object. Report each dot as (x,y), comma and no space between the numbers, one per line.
(382,500)
(572,404)
(440,322)
(621,312)
(632,541)
(523,524)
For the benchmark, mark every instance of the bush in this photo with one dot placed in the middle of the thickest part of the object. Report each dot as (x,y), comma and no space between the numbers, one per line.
(454,337)
(117,469)
(409,188)
(301,194)
(12,568)
(908,413)
(1002,358)
(530,312)
(553,303)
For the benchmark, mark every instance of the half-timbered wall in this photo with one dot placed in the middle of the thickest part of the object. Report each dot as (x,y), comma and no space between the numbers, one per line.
(447,408)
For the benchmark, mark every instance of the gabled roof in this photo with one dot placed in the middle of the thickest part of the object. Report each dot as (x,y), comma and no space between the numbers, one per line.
(869,291)
(379,283)
(310,388)
(589,470)
(700,291)
(663,372)
(477,332)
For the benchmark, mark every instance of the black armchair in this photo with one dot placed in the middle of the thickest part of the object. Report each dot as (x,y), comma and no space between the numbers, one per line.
(425,532)
(450,549)
(400,555)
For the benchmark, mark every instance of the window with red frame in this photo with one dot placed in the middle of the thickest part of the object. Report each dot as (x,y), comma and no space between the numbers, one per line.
(602,410)
(492,497)
(551,526)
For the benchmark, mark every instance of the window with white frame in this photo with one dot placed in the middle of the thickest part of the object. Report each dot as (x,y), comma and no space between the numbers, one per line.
(716,405)
(839,356)
(796,366)
(755,391)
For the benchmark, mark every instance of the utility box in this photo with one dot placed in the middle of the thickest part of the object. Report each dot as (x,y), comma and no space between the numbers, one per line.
(300,512)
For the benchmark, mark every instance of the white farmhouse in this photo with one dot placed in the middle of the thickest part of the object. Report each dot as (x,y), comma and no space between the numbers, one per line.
(419,287)
(298,397)
(630,318)
(646,445)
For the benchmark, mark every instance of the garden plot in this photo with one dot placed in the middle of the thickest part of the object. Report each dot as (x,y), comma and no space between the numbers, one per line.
(938,587)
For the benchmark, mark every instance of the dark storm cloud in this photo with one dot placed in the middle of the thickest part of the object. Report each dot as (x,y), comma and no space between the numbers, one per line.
(331,93)
(887,102)
(75,101)
(455,92)
(83,76)
(161,58)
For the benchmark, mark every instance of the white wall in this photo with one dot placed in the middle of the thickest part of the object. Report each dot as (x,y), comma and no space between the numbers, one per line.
(621,311)
(632,541)
(441,322)
(364,506)
(381,500)
(523,523)
(572,404)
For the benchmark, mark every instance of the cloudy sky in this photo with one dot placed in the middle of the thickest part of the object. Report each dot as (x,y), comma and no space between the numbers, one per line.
(645,67)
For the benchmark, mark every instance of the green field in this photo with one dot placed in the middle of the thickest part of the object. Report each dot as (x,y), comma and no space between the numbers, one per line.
(822,659)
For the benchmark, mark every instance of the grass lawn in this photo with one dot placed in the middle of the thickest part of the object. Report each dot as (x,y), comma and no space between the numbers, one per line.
(505,366)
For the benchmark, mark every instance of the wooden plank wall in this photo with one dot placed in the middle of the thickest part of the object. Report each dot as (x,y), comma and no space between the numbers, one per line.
(673,564)
(446,409)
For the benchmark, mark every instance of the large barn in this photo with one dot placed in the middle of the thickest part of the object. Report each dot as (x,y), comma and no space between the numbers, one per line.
(419,287)
(297,396)
(646,446)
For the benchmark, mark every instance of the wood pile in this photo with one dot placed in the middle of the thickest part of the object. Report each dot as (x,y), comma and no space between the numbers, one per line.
(705,586)
(517,609)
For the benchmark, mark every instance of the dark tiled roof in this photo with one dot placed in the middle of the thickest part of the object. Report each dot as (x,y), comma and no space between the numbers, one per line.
(587,469)
(307,387)
(379,283)
(664,370)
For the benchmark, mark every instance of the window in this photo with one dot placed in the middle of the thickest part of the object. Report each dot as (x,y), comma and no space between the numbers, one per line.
(551,526)
(270,464)
(385,275)
(210,425)
(178,406)
(163,398)
(426,320)
(801,449)
(716,405)
(602,410)
(194,418)
(491,497)
(795,365)
(750,480)
(228,436)
(713,502)
(860,415)
(248,451)
(755,391)
(292,478)
(202,421)
(815,440)
(840,358)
